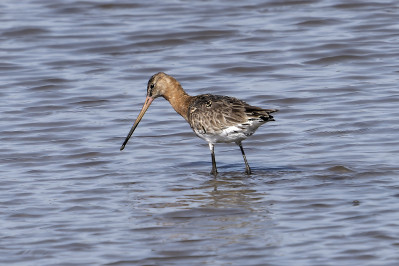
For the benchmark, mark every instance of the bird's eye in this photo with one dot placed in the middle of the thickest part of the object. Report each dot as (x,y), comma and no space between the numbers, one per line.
(152,86)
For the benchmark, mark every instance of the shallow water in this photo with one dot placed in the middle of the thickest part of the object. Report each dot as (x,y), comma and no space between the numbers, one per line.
(325,188)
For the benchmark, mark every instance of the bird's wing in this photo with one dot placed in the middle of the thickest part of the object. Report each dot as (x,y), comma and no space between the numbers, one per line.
(213,113)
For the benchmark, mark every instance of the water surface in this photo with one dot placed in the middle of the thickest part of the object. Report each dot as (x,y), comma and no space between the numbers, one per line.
(325,187)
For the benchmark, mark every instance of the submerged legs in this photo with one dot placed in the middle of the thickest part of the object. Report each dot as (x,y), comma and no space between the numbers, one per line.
(247,168)
(214,170)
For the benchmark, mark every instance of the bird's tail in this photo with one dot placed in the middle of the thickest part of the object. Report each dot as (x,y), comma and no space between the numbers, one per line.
(264,114)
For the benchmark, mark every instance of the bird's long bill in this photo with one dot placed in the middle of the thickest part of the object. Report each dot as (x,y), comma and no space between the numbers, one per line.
(147,104)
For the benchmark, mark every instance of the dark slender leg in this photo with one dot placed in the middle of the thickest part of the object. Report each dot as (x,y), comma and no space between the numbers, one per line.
(214,170)
(247,168)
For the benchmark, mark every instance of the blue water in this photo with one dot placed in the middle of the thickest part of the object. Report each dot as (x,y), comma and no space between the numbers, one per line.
(325,185)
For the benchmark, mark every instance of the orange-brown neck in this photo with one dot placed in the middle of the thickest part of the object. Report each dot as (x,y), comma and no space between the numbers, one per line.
(178,98)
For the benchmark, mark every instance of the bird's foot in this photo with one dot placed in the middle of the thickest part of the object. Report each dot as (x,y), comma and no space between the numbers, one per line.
(214,172)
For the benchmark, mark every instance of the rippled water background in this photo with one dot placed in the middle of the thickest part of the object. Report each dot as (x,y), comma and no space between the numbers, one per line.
(325,188)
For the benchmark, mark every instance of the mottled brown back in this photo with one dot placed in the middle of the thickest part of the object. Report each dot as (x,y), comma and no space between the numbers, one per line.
(213,113)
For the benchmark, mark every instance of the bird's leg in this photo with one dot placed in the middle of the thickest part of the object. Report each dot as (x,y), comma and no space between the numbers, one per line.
(247,168)
(214,170)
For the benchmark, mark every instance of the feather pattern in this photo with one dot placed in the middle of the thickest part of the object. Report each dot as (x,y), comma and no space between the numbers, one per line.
(217,119)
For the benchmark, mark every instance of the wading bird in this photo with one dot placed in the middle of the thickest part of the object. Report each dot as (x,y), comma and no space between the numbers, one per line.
(214,118)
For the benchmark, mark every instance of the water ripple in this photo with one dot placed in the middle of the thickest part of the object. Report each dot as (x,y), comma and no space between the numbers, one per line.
(74,78)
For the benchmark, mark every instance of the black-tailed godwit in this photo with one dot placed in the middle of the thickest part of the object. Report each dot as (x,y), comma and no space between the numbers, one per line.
(214,118)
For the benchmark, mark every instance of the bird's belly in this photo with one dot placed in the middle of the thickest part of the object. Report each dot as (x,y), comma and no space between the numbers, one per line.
(229,134)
